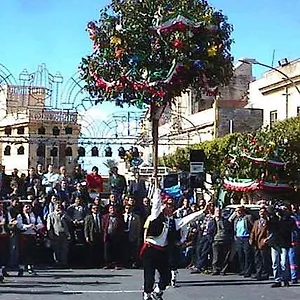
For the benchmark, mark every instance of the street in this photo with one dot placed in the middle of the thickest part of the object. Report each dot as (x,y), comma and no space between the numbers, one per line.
(127,284)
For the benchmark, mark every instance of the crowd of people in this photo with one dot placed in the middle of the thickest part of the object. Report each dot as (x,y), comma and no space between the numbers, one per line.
(60,212)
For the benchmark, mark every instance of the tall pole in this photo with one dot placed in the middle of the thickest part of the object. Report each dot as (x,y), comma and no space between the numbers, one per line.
(155,121)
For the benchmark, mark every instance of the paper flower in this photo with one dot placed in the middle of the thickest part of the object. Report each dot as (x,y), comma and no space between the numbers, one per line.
(115,41)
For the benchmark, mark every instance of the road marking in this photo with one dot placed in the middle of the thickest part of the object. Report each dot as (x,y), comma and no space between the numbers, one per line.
(103,292)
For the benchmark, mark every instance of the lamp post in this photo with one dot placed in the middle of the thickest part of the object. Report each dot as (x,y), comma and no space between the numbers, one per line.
(252,61)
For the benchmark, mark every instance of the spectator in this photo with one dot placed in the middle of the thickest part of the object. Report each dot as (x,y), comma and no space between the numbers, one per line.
(113,232)
(59,234)
(204,239)
(94,181)
(77,176)
(49,179)
(243,224)
(258,240)
(137,189)
(223,238)
(63,194)
(93,237)
(4,183)
(36,190)
(77,213)
(132,234)
(29,225)
(80,192)
(117,184)
(64,177)
(113,202)
(280,227)
(184,210)
(294,251)
(14,237)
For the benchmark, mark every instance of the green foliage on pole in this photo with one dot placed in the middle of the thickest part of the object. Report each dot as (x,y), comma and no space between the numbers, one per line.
(150,51)
(269,154)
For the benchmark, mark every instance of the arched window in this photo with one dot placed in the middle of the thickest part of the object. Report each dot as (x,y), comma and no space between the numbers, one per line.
(68,130)
(41,150)
(81,151)
(55,130)
(21,150)
(68,151)
(7,150)
(42,130)
(54,152)
(95,151)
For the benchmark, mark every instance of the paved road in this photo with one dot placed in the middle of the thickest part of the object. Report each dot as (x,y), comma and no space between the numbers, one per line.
(127,285)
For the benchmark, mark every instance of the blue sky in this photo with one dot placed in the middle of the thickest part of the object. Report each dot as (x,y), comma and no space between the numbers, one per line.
(53,31)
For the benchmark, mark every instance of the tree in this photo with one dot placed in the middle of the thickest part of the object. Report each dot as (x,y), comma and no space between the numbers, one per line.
(147,52)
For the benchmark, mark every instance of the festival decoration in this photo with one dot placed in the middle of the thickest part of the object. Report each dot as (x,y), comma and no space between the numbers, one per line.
(151,51)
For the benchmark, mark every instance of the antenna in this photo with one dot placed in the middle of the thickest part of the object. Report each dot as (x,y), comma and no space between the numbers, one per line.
(273,58)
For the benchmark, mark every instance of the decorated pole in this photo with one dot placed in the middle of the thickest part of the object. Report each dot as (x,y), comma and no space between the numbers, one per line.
(155,123)
(147,53)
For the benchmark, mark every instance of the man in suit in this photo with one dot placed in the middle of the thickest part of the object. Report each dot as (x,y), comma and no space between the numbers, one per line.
(258,239)
(59,234)
(113,232)
(93,236)
(132,236)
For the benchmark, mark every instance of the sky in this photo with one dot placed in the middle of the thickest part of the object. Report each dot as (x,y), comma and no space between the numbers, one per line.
(53,31)
(33,32)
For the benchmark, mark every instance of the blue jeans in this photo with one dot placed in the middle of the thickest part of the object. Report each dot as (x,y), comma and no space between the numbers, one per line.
(280,264)
(294,258)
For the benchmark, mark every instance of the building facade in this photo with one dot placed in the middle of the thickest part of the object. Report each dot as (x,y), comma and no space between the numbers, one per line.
(196,117)
(32,133)
(277,92)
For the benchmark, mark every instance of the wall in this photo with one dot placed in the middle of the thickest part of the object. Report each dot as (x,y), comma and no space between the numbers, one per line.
(243,120)
(269,92)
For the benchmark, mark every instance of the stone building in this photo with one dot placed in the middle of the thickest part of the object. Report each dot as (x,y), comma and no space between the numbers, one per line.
(32,133)
(198,117)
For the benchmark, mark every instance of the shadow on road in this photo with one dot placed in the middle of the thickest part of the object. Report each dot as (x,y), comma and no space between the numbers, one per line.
(221,282)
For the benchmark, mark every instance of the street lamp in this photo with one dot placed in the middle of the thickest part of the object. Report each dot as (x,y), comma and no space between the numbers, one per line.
(252,61)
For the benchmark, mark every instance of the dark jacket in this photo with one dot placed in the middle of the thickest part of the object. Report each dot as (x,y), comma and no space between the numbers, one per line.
(223,230)
(258,234)
(90,228)
(119,229)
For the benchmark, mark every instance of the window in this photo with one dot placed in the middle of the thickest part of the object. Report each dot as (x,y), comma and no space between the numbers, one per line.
(20,130)
(68,151)
(21,150)
(55,131)
(81,152)
(298,111)
(273,117)
(68,130)
(7,130)
(41,150)
(7,150)
(54,152)
(42,130)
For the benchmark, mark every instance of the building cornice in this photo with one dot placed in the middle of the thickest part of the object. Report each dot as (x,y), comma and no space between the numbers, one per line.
(279,85)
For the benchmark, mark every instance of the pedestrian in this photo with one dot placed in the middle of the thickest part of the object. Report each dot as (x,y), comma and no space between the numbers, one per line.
(258,240)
